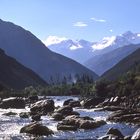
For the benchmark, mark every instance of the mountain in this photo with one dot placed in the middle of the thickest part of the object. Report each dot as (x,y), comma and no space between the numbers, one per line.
(82,50)
(103,62)
(78,50)
(110,43)
(123,66)
(16,76)
(32,53)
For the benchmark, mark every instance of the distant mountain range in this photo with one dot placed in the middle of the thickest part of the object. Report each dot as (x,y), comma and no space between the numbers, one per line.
(32,53)
(97,56)
(16,76)
(123,66)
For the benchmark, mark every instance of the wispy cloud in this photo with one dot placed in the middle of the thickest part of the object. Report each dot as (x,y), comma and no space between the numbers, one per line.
(111,30)
(80,24)
(98,20)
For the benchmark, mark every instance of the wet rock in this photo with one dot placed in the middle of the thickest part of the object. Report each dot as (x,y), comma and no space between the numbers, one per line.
(75,104)
(136,135)
(33,99)
(92,102)
(116,132)
(88,124)
(128,116)
(10,114)
(74,113)
(36,129)
(57,116)
(66,127)
(65,110)
(42,107)
(12,102)
(67,102)
(24,114)
(109,137)
(81,122)
(127,137)
(36,118)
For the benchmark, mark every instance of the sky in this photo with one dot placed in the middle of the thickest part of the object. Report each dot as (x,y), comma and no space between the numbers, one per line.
(75,19)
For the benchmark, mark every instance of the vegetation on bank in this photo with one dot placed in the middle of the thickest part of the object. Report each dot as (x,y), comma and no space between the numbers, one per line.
(126,85)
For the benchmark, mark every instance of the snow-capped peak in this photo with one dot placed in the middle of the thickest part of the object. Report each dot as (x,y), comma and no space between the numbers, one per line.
(53,40)
(107,41)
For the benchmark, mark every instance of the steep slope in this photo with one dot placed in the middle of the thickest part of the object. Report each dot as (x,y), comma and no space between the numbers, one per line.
(102,63)
(32,53)
(16,76)
(123,66)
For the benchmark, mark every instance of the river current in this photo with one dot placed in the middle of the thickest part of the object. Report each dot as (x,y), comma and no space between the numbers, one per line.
(10,125)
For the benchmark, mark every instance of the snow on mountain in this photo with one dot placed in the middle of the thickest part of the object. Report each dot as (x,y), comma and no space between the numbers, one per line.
(82,50)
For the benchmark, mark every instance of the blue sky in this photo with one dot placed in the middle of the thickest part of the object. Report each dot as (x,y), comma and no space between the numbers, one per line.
(76,19)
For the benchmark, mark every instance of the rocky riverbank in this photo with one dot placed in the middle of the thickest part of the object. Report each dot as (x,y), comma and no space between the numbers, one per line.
(69,117)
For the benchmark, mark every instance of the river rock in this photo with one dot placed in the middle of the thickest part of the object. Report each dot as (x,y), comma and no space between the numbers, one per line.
(33,98)
(92,102)
(24,114)
(116,132)
(65,110)
(36,117)
(42,107)
(12,102)
(36,129)
(127,115)
(109,137)
(67,102)
(10,114)
(66,127)
(57,116)
(136,135)
(81,122)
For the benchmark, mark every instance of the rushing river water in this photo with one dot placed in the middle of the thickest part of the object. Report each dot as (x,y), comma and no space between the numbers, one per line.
(10,125)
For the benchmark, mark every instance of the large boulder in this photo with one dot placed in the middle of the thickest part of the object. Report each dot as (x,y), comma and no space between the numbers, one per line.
(136,135)
(81,122)
(65,110)
(36,129)
(116,132)
(33,98)
(24,115)
(12,102)
(91,102)
(42,107)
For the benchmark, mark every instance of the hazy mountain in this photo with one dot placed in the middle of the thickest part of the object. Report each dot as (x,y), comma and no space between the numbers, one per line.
(123,66)
(32,53)
(82,50)
(16,76)
(103,62)
(110,43)
(78,50)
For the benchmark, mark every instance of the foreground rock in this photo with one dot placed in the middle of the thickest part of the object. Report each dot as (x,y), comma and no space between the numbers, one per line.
(112,133)
(75,122)
(91,102)
(127,116)
(136,135)
(12,102)
(42,107)
(36,129)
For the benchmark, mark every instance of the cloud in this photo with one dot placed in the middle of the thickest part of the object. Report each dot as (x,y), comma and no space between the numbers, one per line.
(98,20)
(80,24)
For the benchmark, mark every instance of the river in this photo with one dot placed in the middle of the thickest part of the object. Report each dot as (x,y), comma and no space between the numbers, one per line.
(10,125)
